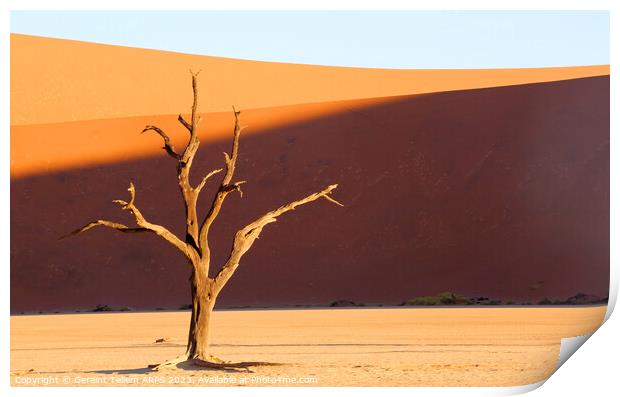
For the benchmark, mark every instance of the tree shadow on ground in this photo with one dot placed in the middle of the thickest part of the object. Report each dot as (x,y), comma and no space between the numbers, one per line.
(131,371)
(192,365)
(201,365)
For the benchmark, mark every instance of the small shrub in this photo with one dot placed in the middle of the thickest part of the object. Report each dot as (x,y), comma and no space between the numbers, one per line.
(442,299)
(343,303)
(545,301)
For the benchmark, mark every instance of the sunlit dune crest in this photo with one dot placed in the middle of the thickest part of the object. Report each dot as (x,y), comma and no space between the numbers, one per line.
(54,80)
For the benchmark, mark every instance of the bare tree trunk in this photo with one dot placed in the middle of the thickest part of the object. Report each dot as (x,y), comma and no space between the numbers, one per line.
(203,302)
(195,248)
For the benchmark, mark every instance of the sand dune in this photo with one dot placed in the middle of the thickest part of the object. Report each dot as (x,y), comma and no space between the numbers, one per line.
(472,181)
(483,192)
(378,347)
(56,80)
(44,148)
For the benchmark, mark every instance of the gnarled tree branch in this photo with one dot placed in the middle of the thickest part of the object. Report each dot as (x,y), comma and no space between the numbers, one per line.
(195,247)
(118,226)
(143,226)
(205,178)
(246,236)
(167,145)
(190,196)
(236,186)
(225,187)
(192,145)
(231,160)
(185,123)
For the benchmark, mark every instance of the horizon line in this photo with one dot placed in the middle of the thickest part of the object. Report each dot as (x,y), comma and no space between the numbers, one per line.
(365,39)
(95,43)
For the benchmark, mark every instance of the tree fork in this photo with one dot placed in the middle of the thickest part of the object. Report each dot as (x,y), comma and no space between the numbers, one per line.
(195,247)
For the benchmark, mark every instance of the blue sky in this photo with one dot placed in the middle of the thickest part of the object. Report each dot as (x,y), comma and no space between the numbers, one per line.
(386,39)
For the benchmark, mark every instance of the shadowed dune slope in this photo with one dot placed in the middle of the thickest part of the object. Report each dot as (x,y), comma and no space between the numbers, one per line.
(482,192)
(44,148)
(55,80)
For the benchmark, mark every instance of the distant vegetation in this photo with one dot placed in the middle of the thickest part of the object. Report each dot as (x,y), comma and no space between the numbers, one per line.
(451,298)
(345,303)
(106,308)
(442,299)
(445,298)
(579,299)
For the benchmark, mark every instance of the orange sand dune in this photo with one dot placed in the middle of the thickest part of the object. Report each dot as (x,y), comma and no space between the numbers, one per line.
(42,148)
(55,80)
(481,192)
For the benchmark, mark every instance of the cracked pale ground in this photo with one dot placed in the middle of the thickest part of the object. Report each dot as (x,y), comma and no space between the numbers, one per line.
(337,347)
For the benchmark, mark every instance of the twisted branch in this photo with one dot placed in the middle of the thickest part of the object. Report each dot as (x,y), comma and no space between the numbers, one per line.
(185,123)
(246,236)
(192,145)
(190,195)
(195,247)
(167,145)
(225,187)
(231,161)
(118,226)
(205,178)
(143,226)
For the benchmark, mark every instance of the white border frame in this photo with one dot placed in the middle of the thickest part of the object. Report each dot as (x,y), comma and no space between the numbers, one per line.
(592,371)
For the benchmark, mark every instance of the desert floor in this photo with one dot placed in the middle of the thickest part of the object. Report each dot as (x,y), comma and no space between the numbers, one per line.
(316,347)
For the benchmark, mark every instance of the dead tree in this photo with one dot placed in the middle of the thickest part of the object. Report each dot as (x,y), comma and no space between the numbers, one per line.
(195,246)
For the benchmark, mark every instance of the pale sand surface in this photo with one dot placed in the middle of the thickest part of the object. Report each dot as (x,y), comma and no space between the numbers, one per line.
(331,347)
